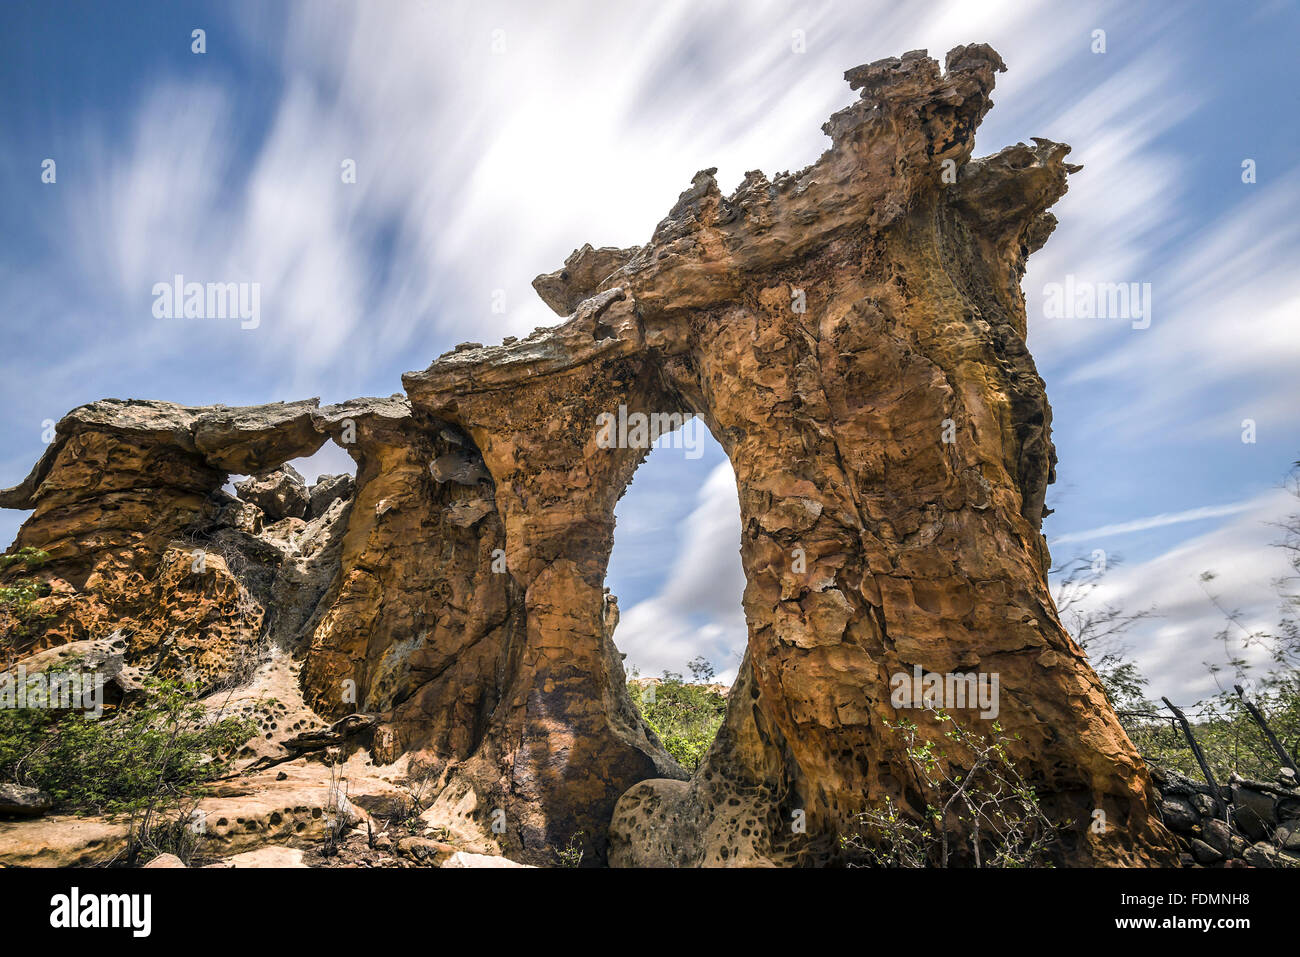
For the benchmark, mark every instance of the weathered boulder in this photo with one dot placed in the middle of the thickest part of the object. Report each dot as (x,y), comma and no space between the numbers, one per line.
(1178,813)
(280,493)
(328,490)
(22,801)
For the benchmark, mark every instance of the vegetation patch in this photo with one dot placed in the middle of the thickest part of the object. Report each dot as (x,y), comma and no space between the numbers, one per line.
(684,715)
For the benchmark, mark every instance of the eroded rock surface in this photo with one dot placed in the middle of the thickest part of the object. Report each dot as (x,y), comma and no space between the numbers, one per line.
(854,337)
(281,493)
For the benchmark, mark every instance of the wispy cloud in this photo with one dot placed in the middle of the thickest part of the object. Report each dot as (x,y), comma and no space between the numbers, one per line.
(1153,521)
(1174,648)
(697,610)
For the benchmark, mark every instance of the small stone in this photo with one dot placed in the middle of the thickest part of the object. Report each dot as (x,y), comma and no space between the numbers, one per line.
(1204,804)
(1288,836)
(1218,836)
(1263,854)
(1178,814)
(1288,809)
(1204,853)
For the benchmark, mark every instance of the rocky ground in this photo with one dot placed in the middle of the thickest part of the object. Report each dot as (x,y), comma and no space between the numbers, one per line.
(1252,823)
(278,817)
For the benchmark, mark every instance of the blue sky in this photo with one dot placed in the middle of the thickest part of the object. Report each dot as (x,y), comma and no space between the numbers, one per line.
(490,139)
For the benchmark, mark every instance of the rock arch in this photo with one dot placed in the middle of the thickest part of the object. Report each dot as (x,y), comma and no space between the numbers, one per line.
(833,328)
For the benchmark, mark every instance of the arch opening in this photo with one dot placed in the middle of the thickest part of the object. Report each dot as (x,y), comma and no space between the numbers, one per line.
(676,575)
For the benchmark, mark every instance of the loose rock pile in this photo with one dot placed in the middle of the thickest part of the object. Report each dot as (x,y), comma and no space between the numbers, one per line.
(1254,823)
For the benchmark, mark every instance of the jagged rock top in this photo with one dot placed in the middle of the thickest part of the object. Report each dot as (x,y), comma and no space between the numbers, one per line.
(582,274)
(604,324)
(887,147)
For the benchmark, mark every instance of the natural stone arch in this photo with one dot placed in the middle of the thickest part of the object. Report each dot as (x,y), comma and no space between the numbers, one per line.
(832,327)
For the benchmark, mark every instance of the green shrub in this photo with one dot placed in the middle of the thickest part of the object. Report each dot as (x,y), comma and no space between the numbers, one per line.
(979,811)
(32,558)
(571,854)
(685,716)
(160,751)
(18,598)
(1229,737)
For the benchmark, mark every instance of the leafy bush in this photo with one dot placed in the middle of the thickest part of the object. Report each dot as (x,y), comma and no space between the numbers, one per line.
(1225,730)
(973,792)
(32,558)
(160,751)
(571,854)
(19,597)
(685,716)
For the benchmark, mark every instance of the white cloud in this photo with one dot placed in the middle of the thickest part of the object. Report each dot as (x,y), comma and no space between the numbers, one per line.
(475,171)
(1128,194)
(697,611)
(1152,521)
(1172,649)
(1224,325)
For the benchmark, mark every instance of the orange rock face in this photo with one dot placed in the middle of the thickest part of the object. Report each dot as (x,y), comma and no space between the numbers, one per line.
(854,337)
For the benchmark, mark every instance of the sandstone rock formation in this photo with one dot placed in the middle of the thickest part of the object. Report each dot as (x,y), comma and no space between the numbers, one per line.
(854,337)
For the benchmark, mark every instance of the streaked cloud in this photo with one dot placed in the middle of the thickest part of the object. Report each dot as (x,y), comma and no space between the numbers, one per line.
(1152,521)
(1174,648)
(697,610)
